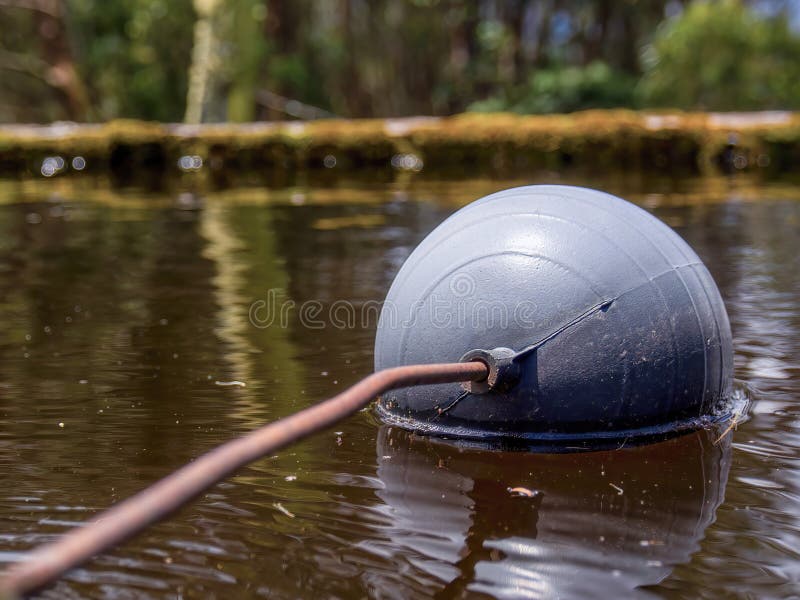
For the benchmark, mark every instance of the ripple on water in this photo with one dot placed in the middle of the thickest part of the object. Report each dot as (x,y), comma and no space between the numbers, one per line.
(158,313)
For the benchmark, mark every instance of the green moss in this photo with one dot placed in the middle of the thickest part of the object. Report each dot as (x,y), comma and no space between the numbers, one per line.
(596,139)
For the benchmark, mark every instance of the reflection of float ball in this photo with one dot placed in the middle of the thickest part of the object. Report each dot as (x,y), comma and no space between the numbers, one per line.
(436,516)
(617,325)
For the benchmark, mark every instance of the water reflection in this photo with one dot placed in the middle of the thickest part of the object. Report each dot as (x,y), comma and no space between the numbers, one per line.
(120,310)
(244,253)
(611,521)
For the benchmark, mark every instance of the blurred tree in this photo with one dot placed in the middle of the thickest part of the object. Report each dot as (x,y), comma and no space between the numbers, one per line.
(53,63)
(565,89)
(572,55)
(79,59)
(278,59)
(135,55)
(247,51)
(723,56)
(203,54)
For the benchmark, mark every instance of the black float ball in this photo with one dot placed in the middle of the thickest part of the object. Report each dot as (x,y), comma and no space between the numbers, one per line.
(602,321)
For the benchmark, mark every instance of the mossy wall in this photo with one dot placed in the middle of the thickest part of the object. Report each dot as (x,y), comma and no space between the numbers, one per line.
(505,143)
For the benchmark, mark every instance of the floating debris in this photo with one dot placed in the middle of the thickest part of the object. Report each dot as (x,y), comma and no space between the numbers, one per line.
(281,508)
(233,383)
(733,425)
(354,221)
(620,491)
(523,491)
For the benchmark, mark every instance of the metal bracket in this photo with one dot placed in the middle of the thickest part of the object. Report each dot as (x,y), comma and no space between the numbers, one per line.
(503,375)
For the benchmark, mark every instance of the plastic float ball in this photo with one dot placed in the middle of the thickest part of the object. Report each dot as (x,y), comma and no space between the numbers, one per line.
(597,320)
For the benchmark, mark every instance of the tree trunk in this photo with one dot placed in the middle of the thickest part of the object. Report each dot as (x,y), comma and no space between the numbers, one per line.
(61,73)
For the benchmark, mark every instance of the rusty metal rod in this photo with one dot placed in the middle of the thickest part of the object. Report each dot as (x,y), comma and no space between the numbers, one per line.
(122,521)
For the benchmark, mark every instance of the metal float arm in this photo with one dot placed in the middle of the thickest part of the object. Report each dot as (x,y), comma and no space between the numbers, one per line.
(122,521)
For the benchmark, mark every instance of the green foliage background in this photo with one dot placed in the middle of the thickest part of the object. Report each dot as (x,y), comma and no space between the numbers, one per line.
(96,60)
(722,56)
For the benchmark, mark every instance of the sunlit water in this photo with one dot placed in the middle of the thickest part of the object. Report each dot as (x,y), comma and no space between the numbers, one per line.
(127,349)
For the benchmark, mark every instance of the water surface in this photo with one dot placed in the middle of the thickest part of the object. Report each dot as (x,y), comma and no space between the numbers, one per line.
(127,349)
